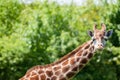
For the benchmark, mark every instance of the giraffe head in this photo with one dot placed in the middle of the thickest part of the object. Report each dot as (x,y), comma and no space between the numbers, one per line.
(99,37)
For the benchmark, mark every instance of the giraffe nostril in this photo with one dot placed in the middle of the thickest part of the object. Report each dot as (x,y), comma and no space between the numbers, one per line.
(100,45)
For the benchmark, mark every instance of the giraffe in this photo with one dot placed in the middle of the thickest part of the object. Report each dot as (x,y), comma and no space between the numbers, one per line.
(73,62)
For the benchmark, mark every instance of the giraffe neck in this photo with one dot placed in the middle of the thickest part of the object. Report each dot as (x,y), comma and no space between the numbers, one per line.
(73,62)
(65,68)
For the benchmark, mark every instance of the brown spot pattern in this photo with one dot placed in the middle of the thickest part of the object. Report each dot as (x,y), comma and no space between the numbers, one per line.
(77,59)
(48,78)
(56,68)
(57,72)
(72,61)
(65,63)
(70,74)
(27,75)
(91,48)
(33,73)
(43,77)
(84,60)
(85,53)
(75,69)
(80,53)
(90,55)
(65,69)
(40,71)
(63,79)
(81,66)
(34,77)
(49,73)
(87,46)
(54,78)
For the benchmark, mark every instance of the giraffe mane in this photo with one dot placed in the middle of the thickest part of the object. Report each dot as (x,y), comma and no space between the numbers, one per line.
(68,55)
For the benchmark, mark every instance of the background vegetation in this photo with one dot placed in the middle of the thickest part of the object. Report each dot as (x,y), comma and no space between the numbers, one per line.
(42,32)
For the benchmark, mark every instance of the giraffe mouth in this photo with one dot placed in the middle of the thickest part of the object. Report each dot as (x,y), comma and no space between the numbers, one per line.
(100,48)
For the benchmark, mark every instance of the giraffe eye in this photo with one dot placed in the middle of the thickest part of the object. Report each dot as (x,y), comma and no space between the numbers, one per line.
(94,39)
(105,39)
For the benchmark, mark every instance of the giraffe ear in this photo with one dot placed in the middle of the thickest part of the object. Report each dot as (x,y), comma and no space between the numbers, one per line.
(90,33)
(109,33)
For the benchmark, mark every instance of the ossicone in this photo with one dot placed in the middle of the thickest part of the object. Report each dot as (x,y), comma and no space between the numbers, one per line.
(103,27)
(95,27)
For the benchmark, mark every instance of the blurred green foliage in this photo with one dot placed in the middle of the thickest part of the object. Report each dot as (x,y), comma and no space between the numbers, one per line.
(40,33)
